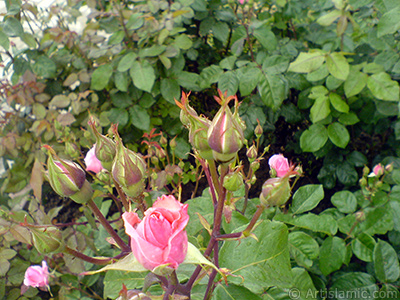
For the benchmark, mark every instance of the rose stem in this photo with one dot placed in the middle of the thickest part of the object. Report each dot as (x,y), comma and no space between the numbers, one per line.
(209,180)
(247,231)
(96,261)
(121,195)
(107,226)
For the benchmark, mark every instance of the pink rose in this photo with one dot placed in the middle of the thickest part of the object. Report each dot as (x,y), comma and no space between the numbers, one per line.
(37,276)
(280,164)
(242,1)
(160,237)
(378,170)
(92,162)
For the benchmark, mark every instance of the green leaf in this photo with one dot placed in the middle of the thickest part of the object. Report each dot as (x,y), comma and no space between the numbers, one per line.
(337,65)
(101,77)
(139,117)
(121,100)
(276,64)
(116,38)
(363,247)
(314,138)
(194,256)
(338,134)
(359,285)
(329,18)
(263,263)
(211,75)
(143,76)
(332,254)
(12,27)
(318,223)
(266,38)
(338,103)
(248,79)
(60,101)
(45,67)
(152,51)
(121,81)
(383,87)
(201,204)
(29,40)
(320,109)
(183,42)
(307,62)
(302,282)
(4,41)
(221,31)
(346,173)
(390,22)
(378,220)
(303,248)
(355,83)
(114,281)
(307,197)
(223,292)
(349,119)
(126,62)
(118,116)
(345,201)
(170,89)
(319,74)
(228,82)
(386,262)
(273,90)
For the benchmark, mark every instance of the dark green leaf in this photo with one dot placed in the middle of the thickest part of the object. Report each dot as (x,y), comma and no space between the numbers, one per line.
(101,76)
(143,75)
(363,247)
(273,90)
(266,38)
(121,100)
(12,27)
(119,116)
(126,62)
(303,248)
(223,292)
(45,67)
(114,280)
(170,89)
(248,79)
(378,220)
(349,119)
(346,173)
(359,285)
(345,201)
(331,255)
(318,223)
(228,82)
(386,262)
(122,81)
(221,31)
(306,198)
(139,117)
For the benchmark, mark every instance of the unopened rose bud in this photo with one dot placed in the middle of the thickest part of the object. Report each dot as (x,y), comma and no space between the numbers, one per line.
(363,181)
(105,147)
(275,191)
(366,171)
(378,170)
(389,168)
(225,135)
(163,141)
(252,153)
(128,170)
(233,181)
(47,240)
(67,178)
(255,165)
(154,160)
(360,216)
(258,131)
(173,144)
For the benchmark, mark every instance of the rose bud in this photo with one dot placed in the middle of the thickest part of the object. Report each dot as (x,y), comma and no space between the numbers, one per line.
(160,238)
(225,135)
(275,191)
(198,127)
(105,147)
(67,178)
(92,162)
(378,170)
(233,181)
(279,165)
(128,170)
(252,153)
(37,276)
(46,240)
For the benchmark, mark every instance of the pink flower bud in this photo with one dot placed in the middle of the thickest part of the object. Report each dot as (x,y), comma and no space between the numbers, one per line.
(160,238)
(279,164)
(37,276)
(92,162)
(378,170)
(275,191)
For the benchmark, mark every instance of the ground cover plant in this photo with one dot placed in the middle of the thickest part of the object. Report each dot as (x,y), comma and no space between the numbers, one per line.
(243,150)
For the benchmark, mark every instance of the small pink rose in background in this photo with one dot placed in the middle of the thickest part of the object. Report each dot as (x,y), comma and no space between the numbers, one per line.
(92,162)
(37,276)
(378,170)
(280,164)
(243,1)
(160,238)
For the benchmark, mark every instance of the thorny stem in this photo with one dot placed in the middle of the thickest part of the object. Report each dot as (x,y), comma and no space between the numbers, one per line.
(107,226)
(92,260)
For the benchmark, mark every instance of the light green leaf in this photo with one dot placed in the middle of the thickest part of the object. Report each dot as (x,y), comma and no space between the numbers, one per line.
(4,41)
(170,89)
(383,87)
(386,262)
(114,281)
(183,42)
(338,134)
(45,67)
(152,51)
(231,291)
(355,83)
(349,119)
(139,117)
(143,75)
(363,247)
(307,62)
(345,201)
(228,82)
(266,38)
(12,27)
(307,197)
(194,256)
(320,109)
(248,79)
(303,248)
(338,103)
(221,31)
(121,81)
(332,254)
(329,18)
(390,22)
(314,138)
(101,76)
(273,90)
(318,223)
(128,264)
(378,220)
(337,65)
(126,62)
(263,263)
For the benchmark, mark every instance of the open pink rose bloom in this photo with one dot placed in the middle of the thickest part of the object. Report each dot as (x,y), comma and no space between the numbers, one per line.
(280,164)
(160,238)
(92,162)
(37,276)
